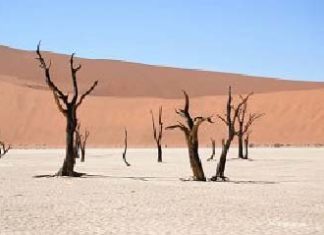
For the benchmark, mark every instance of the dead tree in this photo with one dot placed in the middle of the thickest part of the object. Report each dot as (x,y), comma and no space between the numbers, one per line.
(157,134)
(246,143)
(4,149)
(77,139)
(244,125)
(125,149)
(68,107)
(81,143)
(213,150)
(191,134)
(229,119)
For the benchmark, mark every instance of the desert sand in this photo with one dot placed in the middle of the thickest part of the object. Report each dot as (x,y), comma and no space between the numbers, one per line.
(278,191)
(126,93)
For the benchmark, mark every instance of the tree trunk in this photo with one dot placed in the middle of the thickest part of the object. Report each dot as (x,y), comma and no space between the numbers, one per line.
(159,152)
(195,163)
(82,154)
(69,161)
(222,161)
(240,146)
(246,141)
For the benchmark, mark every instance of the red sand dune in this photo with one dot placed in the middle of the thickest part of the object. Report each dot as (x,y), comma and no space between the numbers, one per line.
(127,91)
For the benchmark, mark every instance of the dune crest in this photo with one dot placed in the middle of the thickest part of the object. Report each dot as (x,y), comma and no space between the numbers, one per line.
(127,91)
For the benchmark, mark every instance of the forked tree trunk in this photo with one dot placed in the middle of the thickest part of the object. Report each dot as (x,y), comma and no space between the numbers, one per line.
(68,107)
(190,131)
(230,118)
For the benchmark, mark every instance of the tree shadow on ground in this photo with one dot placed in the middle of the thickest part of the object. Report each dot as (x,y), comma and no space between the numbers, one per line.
(84,175)
(252,182)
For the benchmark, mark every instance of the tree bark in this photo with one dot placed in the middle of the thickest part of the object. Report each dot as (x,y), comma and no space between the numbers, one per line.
(240,146)
(82,154)
(190,130)
(222,161)
(195,163)
(159,147)
(246,142)
(69,161)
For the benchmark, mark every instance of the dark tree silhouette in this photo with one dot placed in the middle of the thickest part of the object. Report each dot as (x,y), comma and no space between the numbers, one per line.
(246,143)
(244,125)
(4,149)
(213,150)
(191,133)
(77,139)
(229,119)
(125,149)
(81,142)
(157,134)
(68,107)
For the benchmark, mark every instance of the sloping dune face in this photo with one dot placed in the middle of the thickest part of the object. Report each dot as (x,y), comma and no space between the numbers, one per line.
(127,91)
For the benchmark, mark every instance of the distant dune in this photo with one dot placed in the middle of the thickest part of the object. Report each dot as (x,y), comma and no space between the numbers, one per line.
(127,91)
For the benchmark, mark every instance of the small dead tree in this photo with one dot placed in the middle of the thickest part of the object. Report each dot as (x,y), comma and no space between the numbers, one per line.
(157,134)
(4,149)
(246,143)
(244,125)
(125,149)
(213,149)
(77,139)
(68,107)
(191,134)
(229,119)
(83,144)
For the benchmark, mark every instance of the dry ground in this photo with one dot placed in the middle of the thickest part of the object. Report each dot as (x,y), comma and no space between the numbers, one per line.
(280,191)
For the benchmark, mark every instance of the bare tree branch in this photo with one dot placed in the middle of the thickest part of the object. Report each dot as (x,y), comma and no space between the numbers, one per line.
(125,149)
(87,93)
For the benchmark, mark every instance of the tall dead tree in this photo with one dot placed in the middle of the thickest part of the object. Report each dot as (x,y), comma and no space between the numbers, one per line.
(4,149)
(213,150)
(125,149)
(190,130)
(157,133)
(229,119)
(68,107)
(244,125)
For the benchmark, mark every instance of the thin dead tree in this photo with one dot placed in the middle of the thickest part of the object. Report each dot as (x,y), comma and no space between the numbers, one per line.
(229,119)
(191,134)
(77,139)
(4,149)
(246,143)
(213,150)
(83,143)
(125,149)
(157,134)
(68,107)
(244,125)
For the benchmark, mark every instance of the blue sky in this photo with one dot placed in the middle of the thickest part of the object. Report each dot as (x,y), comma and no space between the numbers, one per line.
(275,38)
